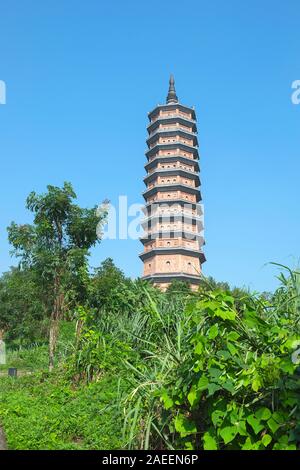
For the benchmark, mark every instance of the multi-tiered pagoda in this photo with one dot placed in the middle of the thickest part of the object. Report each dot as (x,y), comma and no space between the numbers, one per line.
(173,217)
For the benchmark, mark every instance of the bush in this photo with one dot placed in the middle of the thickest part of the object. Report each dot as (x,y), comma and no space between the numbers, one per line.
(222,377)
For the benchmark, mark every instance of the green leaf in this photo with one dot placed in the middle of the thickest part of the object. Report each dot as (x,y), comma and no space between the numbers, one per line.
(225,314)
(249,445)
(193,396)
(203,383)
(214,372)
(213,331)
(232,349)
(266,440)
(199,348)
(229,386)
(209,442)
(273,425)
(184,426)
(263,414)
(241,427)
(233,336)
(189,445)
(168,402)
(223,354)
(256,384)
(279,417)
(283,444)
(287,366)
(212,388)
(217,417)
(228,433)
(254,423)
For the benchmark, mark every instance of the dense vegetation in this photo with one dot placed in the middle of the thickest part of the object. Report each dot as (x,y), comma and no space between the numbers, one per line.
(138,368)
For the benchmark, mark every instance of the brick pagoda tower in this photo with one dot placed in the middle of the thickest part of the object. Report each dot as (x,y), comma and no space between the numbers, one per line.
(173,223)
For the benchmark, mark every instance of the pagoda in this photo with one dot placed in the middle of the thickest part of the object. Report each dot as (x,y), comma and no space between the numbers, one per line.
(173,223)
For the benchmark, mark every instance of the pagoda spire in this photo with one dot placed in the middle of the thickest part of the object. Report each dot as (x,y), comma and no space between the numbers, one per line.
(172,97)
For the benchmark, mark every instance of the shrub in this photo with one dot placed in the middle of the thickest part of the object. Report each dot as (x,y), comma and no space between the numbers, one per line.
(221,378)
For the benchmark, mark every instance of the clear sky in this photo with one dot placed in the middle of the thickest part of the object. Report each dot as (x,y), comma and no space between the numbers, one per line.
(81,77)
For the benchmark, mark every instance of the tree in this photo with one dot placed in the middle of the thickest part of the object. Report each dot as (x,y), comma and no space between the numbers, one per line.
(107,287)
(106,278)
(56,246)
(22,312)
(178,288)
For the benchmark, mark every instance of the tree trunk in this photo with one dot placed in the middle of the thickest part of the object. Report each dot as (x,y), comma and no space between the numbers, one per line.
(53,334)
(56,315)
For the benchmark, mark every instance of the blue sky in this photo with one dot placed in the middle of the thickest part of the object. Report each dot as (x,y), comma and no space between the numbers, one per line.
(81,77)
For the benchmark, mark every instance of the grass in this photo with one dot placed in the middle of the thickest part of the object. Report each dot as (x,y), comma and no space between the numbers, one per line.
(46,412)
(34,357)
(29,359)
(43,411)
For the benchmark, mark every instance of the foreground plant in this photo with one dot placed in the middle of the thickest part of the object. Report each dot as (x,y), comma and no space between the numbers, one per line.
(222,377)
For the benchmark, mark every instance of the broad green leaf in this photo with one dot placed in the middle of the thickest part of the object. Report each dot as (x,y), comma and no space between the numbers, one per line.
(233,336)
(213,331)
(209,442)
(184,426)
(283,444)
(254,423)
(287,366)
(273,425)
(263,414)
(168,402)
(199,348)
(217,417)
(279,417)
(232,349)
(225,314)
(189,445)
(214,372)
(266,439)
(279,446)
(223,354)
(212,388)
(241,427)
(203,383)
(229,386)
(249,445)
(193,396)
(256,384)
(228,433)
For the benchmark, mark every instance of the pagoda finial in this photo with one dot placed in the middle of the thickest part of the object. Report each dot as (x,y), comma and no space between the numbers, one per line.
(172,97)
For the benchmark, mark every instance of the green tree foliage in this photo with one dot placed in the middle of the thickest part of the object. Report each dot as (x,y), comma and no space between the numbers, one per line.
(111,291)
(22,310)
(106,281)
(56,247)
(178,288)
